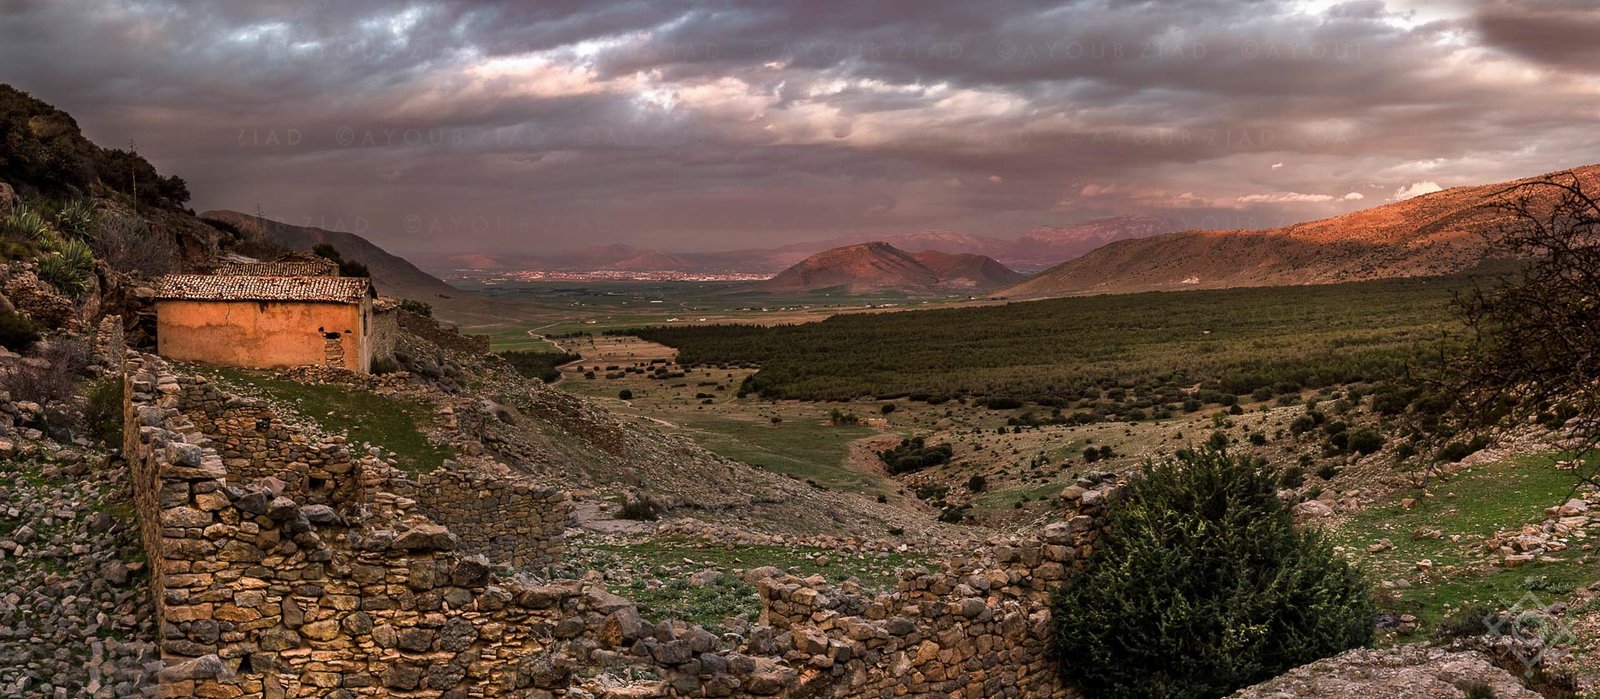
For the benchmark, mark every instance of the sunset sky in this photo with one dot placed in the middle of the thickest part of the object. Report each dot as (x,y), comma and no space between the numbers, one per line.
(519,126)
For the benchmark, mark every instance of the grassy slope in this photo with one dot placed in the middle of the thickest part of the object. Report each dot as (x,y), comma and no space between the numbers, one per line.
(391,423)
(1474,505)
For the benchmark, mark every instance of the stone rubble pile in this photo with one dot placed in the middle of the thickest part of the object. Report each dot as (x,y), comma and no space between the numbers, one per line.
(75,610)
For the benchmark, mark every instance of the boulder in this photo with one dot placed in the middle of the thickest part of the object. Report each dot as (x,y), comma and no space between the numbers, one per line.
(426,537)
(1313,509)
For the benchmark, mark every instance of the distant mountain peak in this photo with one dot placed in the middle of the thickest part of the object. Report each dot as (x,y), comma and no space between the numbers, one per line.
(877,266)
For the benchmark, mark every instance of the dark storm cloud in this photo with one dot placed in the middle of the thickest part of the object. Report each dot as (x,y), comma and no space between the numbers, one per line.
(1564,33)
(514,125)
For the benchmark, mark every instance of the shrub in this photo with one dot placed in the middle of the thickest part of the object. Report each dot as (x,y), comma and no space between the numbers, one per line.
(102,414)
(128,245)
(625,394)
(347,268)
(977,483)
(416,307)
(1456,451)
(1203,585)
(17,332)
(1366,441)
(914,455)
(642,509)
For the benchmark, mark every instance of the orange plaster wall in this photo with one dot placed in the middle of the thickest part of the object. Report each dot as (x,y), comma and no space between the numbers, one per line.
(262,334)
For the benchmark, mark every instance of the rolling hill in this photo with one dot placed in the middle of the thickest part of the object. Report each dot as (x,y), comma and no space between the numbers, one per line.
(391,274)
(879,266)
(1432,234)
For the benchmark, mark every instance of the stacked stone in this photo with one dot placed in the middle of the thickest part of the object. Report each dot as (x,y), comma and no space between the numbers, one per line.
(510,519)
(449,338)
(256,442)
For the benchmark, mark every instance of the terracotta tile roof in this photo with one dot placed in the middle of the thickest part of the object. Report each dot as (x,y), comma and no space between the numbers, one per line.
(282,268)
(209,287)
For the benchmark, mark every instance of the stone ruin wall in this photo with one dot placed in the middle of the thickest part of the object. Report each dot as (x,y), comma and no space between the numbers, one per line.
(267,590)
(447,337)
(255,442)
(512,521)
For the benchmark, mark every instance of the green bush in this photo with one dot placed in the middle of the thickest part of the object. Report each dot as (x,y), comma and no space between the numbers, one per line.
(102,415)
(914,455)
(17,332)
(416,307)
(1366,441)
(1203,585)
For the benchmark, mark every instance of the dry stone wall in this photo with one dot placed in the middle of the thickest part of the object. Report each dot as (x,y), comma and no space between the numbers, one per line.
(511,520)
(256,442)
(269,587)
(447,337)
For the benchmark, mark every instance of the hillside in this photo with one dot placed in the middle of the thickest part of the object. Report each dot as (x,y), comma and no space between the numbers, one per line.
(1433,234)
(967,269)
(1049,245)
(880,266)
(393,275)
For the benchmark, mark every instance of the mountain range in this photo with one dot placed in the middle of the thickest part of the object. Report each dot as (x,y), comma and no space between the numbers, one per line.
(1036,249)
(878,266)
(1438,233)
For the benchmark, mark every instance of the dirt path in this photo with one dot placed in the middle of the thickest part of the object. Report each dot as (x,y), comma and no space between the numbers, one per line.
(599,516)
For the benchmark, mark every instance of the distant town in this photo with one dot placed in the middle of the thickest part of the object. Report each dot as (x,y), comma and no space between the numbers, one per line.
(539,275)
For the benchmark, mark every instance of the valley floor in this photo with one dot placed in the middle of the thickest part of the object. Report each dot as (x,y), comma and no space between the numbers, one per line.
(1485,537)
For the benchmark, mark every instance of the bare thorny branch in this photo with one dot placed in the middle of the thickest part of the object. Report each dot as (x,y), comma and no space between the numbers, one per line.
(1531,350)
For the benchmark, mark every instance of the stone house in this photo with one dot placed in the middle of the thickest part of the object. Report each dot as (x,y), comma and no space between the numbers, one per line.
(264,321)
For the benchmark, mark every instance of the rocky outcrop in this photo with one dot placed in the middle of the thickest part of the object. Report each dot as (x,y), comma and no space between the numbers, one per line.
(1403,672)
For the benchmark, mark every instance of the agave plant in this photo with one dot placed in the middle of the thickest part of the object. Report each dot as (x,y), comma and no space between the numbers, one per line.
(27,224)
(77,219)
(68,266)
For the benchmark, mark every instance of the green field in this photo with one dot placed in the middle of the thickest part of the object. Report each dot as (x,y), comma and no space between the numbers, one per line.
(1124,355)
(553,308)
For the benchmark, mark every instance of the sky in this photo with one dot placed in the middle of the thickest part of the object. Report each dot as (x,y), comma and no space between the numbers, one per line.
(521,127)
